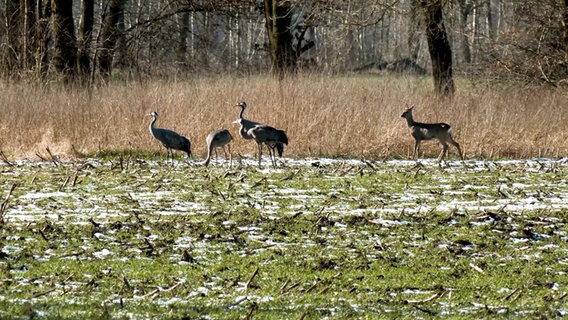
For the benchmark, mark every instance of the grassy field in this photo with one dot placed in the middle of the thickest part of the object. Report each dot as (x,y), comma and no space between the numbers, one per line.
(341,116)
(312,239)
(95,223)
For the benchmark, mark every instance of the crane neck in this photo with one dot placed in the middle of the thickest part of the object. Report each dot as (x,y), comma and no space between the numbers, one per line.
(152,123)
(242,112)
(243,130)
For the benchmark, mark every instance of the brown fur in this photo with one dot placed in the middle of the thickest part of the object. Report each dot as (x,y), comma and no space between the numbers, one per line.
(428,131)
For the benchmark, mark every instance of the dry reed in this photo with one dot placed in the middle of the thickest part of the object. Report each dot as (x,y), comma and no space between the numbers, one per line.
(349,116)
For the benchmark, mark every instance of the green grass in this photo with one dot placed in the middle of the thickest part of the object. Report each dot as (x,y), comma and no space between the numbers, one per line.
(128,237)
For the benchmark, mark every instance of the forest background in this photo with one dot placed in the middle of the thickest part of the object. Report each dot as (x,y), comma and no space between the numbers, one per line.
(79,76)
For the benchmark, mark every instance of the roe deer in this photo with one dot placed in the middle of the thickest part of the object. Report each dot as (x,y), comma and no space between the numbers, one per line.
(427,131)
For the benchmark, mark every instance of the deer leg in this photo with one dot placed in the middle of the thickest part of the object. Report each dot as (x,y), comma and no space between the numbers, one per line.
(444,151)
(416,145)
(457,145)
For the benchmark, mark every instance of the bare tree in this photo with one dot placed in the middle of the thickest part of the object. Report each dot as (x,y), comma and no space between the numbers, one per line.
(491,25)
(536,44)
(465,7)
(286,35)
(43,38)
(518,39)
(415,24)
(439,47)
(85,36)
(278,15)
(12,45)
(565,27)
(30,37)
(110,34)
(65,42)
(183,25)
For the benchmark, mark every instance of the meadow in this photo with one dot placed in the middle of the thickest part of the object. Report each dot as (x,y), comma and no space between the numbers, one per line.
(312,239)
(331,116)
(95,223)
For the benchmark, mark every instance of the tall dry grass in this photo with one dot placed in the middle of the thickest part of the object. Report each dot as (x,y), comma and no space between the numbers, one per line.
(351,116)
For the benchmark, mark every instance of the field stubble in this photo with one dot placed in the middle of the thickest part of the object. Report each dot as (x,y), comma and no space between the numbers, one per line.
(349,116)
(312,239)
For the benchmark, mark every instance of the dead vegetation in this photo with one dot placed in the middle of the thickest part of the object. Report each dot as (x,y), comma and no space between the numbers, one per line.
(323,116)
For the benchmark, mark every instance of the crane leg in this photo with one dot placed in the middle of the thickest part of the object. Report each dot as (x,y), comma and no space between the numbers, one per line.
(259,154)
(272,156)
(230,156)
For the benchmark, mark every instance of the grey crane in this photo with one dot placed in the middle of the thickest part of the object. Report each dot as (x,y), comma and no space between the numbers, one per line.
(428,131)
(169,139)
(246,125)
(217,139)
(273,138)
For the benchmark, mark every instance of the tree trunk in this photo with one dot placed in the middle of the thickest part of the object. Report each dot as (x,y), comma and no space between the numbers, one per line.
(183,23)
(279,29)
(439,47)
(110,36)
(465,8)
(120,46)
(491,29)
(30,37)
(85,33)
(413,35)
(65,42)
(13,27)
(565,26)
(43,34)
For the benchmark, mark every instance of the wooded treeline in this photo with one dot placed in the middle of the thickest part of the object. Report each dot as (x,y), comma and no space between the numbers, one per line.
(90,40)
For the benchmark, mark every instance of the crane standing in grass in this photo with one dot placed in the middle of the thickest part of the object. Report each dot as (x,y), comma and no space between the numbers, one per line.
(217,139)
(170,140)
(273,138)
(246,124)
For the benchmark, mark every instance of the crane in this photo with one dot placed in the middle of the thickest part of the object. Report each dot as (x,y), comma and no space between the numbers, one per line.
(273,138)
(245,132)
(246,124)
(171,140)
(217,139)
